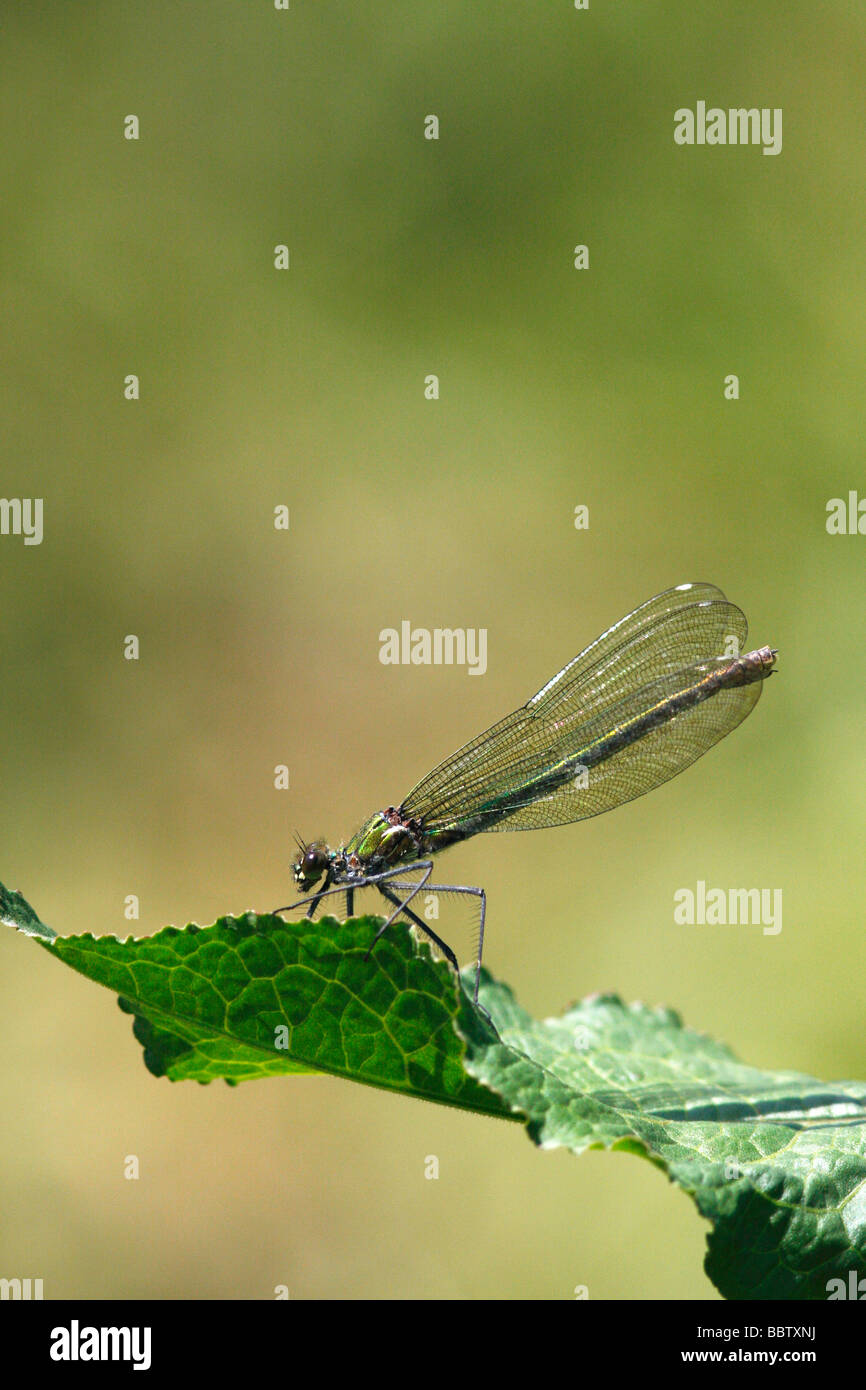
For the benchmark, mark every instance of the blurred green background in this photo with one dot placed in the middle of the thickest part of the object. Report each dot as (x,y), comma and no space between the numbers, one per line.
(558,387)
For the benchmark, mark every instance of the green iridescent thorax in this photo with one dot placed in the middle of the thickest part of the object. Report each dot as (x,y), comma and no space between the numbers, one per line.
(382,840)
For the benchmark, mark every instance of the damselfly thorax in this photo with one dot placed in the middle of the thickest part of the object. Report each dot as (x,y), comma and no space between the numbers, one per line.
(634,709)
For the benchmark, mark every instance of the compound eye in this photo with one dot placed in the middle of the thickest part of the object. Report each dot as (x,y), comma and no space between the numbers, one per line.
(315,861)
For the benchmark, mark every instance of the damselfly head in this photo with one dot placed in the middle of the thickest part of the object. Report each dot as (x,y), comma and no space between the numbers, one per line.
(311,863)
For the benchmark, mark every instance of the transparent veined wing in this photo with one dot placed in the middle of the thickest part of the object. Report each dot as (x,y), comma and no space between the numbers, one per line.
(545,764)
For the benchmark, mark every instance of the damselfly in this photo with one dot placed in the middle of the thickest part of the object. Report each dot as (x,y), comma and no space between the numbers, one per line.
(635,708)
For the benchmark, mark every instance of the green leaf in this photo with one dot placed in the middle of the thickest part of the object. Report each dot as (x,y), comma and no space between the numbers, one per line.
(256,996)
(16,912)
(776,1161)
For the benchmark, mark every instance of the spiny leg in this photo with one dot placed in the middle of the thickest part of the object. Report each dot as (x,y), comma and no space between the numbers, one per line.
(378,879)
(314,903)
(314,900)
(477,893)
(438,888)
(350,902)
(443,946)
(397,872)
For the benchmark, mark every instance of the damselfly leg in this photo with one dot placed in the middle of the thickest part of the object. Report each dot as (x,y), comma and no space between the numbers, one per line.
(401,906)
